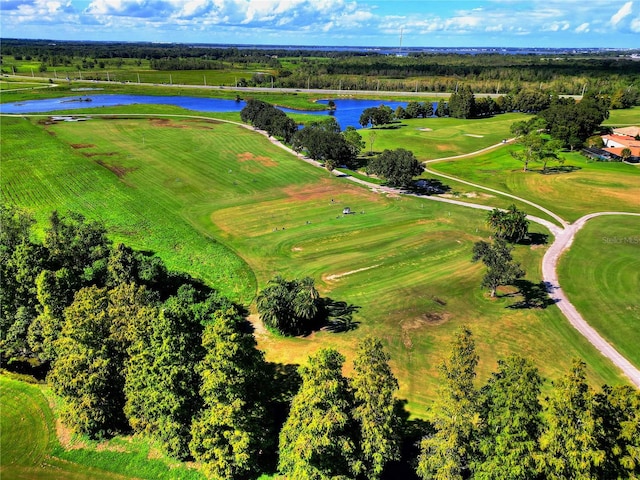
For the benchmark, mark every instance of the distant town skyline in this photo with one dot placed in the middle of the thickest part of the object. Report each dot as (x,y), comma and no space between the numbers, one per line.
(420,23)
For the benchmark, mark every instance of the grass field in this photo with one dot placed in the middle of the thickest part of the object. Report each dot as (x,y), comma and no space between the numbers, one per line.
(197,193)
(431,138)
(31,450)
(628,116)
(604,289)
(589,187)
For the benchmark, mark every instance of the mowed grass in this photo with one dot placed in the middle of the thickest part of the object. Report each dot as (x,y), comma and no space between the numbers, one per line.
(430,138)
(44,173)
(604,289)
(30,448)
(589,187)
(627,116)
(206,195)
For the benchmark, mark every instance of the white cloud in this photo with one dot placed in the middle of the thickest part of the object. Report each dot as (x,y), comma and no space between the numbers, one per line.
(624,11)
(635,25)
(583,28)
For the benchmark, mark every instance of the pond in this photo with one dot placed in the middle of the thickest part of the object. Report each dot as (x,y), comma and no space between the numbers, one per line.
(347,113)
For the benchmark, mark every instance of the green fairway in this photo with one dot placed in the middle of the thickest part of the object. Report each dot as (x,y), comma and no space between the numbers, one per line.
(430,138)
(628,116)
(30,448)
(604,289)
(581,187)
(223,203)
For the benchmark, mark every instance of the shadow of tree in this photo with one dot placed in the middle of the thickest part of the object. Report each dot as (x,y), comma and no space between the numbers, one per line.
(534,295)
(535,239)
(339,315)
(559,169)
(428,186)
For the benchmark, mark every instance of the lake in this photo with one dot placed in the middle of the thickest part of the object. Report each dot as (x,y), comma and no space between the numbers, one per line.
(347,113)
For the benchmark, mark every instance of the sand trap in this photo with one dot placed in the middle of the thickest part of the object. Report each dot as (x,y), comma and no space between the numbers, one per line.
(472,135)
(340,275)
(426,129)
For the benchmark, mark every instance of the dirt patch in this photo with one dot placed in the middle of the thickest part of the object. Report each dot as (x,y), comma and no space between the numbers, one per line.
(473,135)
(426,129)
(443,147)
(103,154)
(425,320)
(165,122)
(66,437)
(296,249)
(118,170)
(262,160)
(154,454)
(82,145)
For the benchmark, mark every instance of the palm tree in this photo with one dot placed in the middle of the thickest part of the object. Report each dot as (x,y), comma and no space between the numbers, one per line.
(625,154)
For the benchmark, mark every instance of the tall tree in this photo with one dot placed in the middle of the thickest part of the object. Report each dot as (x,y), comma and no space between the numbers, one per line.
(618,411)
(569,442)
(511,422)
(161,382)
(512,224)
(449,452)
(289,306)
(354,140)
(374,387)
(86,372)
(316,440)
(233,432)
(462,103)
(501,269)
(397,167)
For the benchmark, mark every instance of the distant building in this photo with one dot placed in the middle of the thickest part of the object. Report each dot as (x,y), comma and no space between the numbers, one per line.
(346,211)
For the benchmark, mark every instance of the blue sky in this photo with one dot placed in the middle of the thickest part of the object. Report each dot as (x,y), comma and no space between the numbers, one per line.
(437,23)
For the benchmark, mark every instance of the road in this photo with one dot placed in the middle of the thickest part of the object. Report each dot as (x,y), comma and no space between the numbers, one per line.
(316,91)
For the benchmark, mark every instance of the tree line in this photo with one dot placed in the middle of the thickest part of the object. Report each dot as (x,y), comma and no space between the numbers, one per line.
(350,70)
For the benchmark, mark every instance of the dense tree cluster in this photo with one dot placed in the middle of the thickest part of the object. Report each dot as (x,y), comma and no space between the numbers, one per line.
(415,110)
(264,116)
(324,142)
(397,167)
(504,431)
(376,116)
(571,123)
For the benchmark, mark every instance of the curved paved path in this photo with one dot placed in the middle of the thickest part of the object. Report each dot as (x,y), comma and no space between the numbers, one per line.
(563,238)
(562,242)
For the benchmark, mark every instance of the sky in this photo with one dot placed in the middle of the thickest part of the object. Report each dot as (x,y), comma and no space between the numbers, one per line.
(387,23)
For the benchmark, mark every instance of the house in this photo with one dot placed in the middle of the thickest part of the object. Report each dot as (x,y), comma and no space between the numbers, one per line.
(621,139)
(627,131)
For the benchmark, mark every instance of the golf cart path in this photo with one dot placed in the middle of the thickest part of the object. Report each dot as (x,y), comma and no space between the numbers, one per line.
(563,238)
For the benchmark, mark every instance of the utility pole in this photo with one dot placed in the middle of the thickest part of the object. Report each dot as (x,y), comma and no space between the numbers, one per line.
(205,80)
(32,73)
(170,80)
(138,77)
(108,79)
